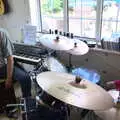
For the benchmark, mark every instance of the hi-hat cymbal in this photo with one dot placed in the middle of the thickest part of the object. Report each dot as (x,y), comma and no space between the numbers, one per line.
(80,48)
(56,42)
(84,94)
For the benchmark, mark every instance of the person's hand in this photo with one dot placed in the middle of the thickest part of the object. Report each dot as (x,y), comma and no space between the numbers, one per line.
(110,85)
(8,83)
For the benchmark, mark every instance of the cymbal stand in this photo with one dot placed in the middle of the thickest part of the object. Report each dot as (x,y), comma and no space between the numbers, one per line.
(70,56)
(70,65)
(33,75)
(67,112)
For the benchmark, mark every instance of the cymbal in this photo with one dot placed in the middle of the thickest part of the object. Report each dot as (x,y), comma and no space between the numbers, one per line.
(84,94)
(80,48)
(56,42)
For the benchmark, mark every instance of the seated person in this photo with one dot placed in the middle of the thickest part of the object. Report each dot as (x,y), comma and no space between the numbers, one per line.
(8,70)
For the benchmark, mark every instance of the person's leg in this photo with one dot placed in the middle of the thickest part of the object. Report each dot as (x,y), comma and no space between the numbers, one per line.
(8,96)
(3,72)
(24,80)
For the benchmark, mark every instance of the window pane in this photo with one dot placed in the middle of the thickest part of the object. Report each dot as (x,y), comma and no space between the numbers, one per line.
(110,20)
(52,14)
(82,17)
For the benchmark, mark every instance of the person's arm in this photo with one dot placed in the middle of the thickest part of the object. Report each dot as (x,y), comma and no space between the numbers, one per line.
(9,71)
(117,84)
(113,84)
(7,52)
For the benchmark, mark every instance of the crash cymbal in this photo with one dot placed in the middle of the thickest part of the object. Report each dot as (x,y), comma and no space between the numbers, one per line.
(80,48)
(84,94)
(56,42)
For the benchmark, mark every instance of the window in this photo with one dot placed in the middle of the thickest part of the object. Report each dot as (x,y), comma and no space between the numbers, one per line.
(82,17)
(78,16)
(52,14)
(111,20)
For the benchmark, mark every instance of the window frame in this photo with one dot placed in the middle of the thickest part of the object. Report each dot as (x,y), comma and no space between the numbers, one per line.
(66,18)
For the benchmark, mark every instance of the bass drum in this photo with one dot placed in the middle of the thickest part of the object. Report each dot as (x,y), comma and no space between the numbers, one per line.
(52,64)
(113,113)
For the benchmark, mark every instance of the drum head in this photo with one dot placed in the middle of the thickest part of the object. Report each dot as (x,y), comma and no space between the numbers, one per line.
(54,65)
(88,74)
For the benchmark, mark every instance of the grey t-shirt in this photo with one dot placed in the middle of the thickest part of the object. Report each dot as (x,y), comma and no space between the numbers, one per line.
(6,47)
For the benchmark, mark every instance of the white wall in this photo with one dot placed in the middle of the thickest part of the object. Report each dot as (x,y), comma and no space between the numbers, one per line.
(16,18)
(106,63)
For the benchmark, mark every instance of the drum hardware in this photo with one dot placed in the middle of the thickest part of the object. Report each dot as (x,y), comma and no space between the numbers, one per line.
(80,48)
(86,95)
(47,64)
(84,113)
(28,107)
(56,42)
(55,106)
(70,65)
(71,46)
(41,102)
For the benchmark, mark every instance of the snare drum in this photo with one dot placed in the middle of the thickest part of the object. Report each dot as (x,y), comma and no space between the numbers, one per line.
(113,113)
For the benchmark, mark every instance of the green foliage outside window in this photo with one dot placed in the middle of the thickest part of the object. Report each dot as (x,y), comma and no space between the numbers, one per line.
(52,6)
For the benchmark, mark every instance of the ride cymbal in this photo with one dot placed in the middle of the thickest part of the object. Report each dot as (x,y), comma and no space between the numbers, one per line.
(84,94)
(80,48)
(57,42)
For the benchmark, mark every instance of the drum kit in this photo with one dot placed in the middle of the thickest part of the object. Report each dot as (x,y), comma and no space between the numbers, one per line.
(65,87)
